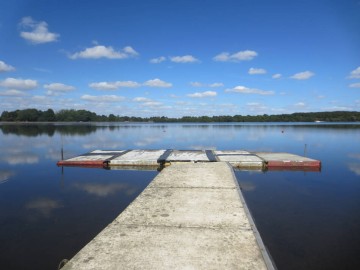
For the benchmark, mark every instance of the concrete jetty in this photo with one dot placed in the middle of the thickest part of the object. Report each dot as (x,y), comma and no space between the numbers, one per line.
(191,216)
(240,159)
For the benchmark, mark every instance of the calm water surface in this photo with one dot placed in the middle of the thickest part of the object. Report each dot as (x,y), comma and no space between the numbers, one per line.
(308,220)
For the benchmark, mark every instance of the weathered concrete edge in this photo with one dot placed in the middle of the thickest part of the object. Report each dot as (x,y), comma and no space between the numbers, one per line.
(264,252)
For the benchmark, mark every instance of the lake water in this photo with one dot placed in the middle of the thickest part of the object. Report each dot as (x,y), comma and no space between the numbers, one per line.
(308,220)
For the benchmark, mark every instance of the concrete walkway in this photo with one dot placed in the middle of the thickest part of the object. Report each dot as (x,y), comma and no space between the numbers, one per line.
(191,216)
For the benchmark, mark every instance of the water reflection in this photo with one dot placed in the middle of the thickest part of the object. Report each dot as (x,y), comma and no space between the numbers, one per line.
(44,206)
(5,175)
(20,158)
(355,166)
(104,190)
(308,220)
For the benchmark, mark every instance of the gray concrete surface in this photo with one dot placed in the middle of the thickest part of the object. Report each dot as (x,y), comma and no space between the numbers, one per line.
(138,157)
(243,160)
(191,216)
(181,156)
(240,159)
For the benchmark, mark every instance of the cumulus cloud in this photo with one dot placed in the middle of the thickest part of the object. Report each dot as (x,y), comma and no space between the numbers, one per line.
(212,85)
(246,90)
(152,104)
(113,85)
(100,51)
(5,67)
(142,99)
(235,57)
(355,85)
(59,87)
(12,93)
(38,31)
(157,83)
(300,104)
(203,94)
(55,89)
(303,75)
(184,59)
(276,76)
(19,84)
(254,71)
(104,98)
(158,60)
(355,74)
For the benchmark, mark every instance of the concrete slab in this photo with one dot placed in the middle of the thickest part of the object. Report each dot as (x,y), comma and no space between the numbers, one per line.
(90,158)
(209,179)
(163,248)
(187,207)
(269,156)
(138,157)
(240,159)
(231,152)
(289,161)
(107,151)
(187,156)
(156,159)
(180,225)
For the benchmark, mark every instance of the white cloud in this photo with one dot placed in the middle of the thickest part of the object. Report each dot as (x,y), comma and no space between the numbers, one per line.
(300,104)
(276,76)
(236,57)
(105,98)
(303,75)
(254,71)
(245,90)
(212,85)
(142,99)
(38,33)
(152,103)
(197,84)
(203,94)
(100,51)
(355,85)
(12,93)
(355,74)
(5,67)
(103,86)
(157,83)
(158,60)
(59,87)
(113,85)
(184,59)
(130,51)
(19,84)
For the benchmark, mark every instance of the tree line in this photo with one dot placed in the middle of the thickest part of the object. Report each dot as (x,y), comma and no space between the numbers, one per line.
(34,115)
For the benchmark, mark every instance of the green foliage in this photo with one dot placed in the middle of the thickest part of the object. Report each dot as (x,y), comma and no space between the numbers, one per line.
(34,115)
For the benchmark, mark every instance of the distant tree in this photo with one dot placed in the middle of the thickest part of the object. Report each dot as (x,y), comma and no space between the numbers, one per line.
(28,115)
(112,118)
(47,116)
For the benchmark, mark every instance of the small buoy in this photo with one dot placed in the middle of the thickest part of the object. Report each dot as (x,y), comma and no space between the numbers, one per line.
(282,131)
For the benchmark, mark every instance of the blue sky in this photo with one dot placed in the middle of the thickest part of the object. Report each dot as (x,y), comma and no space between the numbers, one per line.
(176,58)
